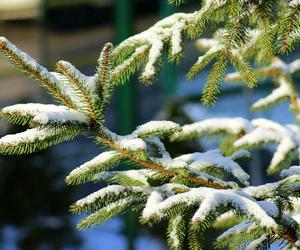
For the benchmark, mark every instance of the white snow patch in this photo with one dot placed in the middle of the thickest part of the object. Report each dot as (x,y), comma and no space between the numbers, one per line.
(156,126)
(28,136)
(200,161)
(237,229)
(131,144)
(103,158)
(209,199)
(283,91)
(293,170)
(213,126)
(153,201)
(256,243)
(173,234)
(294,3)
(109,190)
(33,109)
(66,116)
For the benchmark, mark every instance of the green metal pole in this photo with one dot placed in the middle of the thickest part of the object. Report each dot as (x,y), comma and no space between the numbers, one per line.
(126,115)
(125,96)
(169,74)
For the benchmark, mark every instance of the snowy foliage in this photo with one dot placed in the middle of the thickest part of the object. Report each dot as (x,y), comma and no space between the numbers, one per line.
(193,191)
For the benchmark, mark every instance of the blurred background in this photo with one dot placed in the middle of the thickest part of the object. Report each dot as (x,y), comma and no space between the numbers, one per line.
(34,207)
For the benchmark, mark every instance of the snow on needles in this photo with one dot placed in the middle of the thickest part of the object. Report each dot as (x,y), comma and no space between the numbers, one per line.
(174,234)
(266,131)
(131,144)
(157,127)
(200,161)
(209,200)
(46,113)
(168,29)
(66,116)
(28,136)
(252,134)
(33,109)
(109,190)
(100,160)
(294,3)
(213,126)
(285,186)
(32,63)
(293,170)
(236,229)
(283,91)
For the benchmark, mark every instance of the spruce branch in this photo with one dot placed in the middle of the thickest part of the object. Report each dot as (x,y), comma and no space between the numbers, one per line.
(282,74)
(35,71)
(224,49)
(250,135)
(189,190)
(78,82)
(288,23)
(212,86)
(87,171)
(149,44)
(176,235)
(35,139)
(199,180)
(104,84)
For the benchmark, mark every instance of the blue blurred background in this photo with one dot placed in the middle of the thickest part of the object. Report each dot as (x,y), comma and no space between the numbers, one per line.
(34,201)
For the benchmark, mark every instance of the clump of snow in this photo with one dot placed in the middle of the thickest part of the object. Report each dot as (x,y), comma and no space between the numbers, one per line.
(205,43)
(209,200)
(28,136)
(87,82)
(240,154)
(71,70)
(294,3)
(210,52)
(237,229)
(33,109)
(213,126)
(66,116)
(266,131)
(283,91)
(256,243)
(286,187)
(293,170)
(156,127)
(170,188)
(294,66)
(140,175)
(269,207)
(170,163)
(216,198)
(200,161)
(176,40)
(154,54)
(174,234)
(109,190)
(153,201)
(131,144)
(168,29)
(103,158)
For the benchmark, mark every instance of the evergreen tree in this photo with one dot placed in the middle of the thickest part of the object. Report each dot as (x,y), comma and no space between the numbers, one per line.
(189,191)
